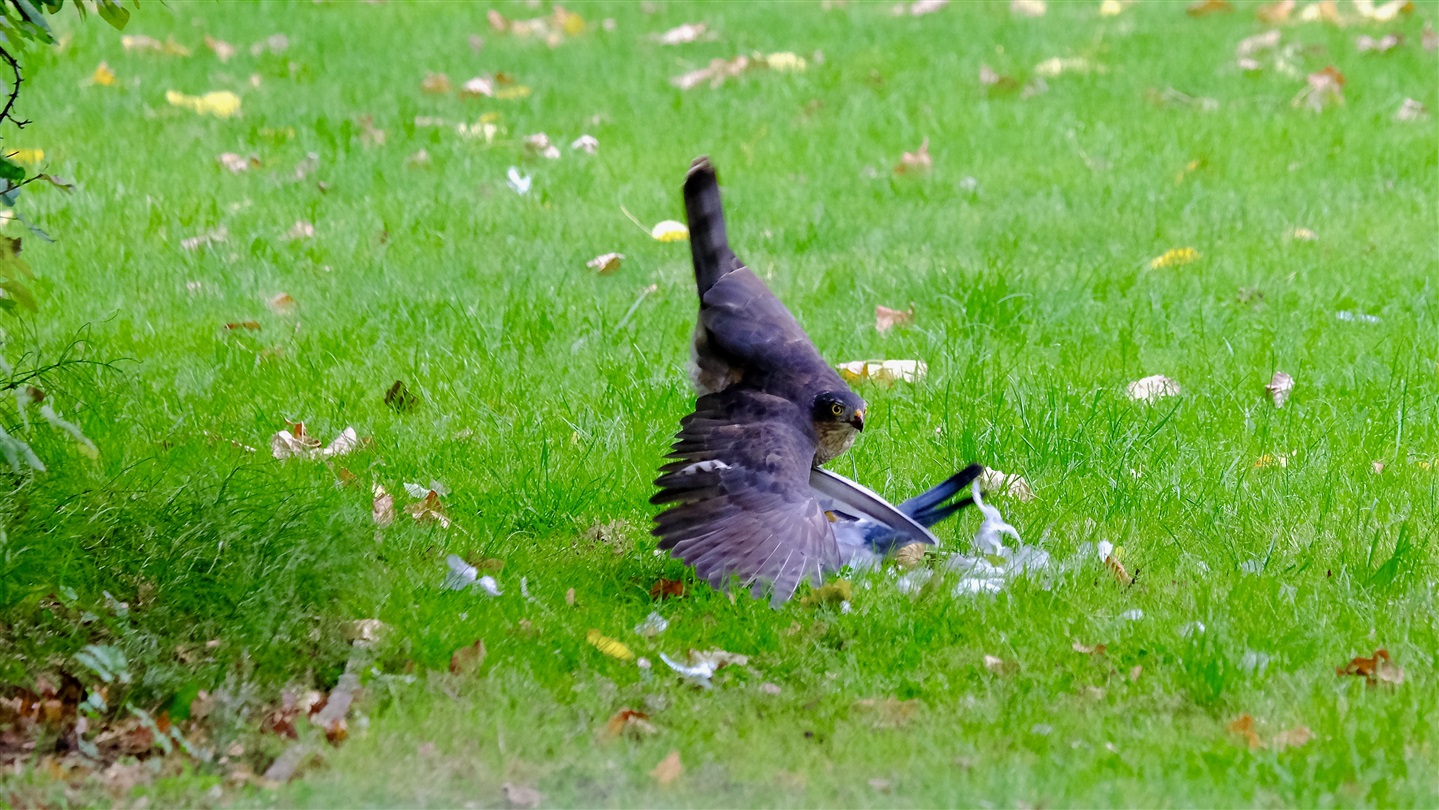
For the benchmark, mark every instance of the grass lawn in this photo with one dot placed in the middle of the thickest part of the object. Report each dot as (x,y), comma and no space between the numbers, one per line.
(1299,537)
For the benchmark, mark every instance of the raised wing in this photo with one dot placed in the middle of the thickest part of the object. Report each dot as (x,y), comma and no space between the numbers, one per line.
(740,508)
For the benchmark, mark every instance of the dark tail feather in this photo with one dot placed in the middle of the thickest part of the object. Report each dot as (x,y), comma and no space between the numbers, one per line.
(709,245)
(929,507)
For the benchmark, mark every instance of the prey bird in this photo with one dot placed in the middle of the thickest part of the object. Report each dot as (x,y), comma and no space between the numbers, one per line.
(743,488)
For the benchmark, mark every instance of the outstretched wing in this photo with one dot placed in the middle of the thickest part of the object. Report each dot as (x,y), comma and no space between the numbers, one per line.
(739,502)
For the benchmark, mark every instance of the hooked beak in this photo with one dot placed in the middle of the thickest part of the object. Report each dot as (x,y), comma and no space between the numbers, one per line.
(858,421)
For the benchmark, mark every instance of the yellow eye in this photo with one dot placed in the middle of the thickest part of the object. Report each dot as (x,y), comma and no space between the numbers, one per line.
(837,409)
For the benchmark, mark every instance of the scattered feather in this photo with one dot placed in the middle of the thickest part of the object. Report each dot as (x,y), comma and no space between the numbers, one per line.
(700,667)
(519,183)
(587,144)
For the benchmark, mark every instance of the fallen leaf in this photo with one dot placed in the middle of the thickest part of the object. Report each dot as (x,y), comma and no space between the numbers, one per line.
(252,326)
(281,304)
(1322,11)
(1111,561)
(884,371)
(300,230)
(916,162)
(419,158)
(1275,13)
(1243,725)
(681,34)
(887,713)
(910,556)
(720,70)
(1028,8)
(1292,738)
(1097,649)
(222,50)
(220,103)
(998,483)
(1280,460)
(296,443)
(429,510)
(436,84)
(605,263)
(468,658)
(539,144)
(668,770)
(587,144)
(274,44)
(629,723)
(999,666)
(881,785)
(1384,44)
(1058,65)
(382,508)
(29,157)
(1377,669)
(1429,39)
(1303,235)
(570,597)
(399,398)
(886,318)
(1386,12)
(1153,387)
(1411,110)
(1279,387)
(919,8)
(370,135)
(211,237)
(365,632)
(834,593)
(143,43)
(1113,8)
(609,646)
(1174,258)
(517,796)
(1204,8)
(770,689)
(667,589)
(236,164)
(996,83)
(1321,90)
(103,75)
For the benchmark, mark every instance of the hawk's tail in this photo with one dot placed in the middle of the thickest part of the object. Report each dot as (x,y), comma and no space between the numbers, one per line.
(708,243)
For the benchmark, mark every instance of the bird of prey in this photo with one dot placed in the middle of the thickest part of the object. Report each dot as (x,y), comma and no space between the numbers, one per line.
(744,485)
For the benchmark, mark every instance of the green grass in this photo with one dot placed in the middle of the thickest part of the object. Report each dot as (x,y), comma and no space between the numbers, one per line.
(549,394)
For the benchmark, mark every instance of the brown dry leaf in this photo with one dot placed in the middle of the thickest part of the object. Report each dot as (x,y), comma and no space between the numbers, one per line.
(681,34)
(331,716)
(1293,738)
(1377,669)
(518,796)
(667,589)
(999,666)
(1204,8)
(629,723)
(1243,725)
(222,49)
(916,162)
(911,555)
(1135,673)
(669,769)
(1275,13)
(995,83)
(1097,649)
(1279,387)
(252,326)
(468,658)
(370,135)
(399,398)
(436,84)
(382,507)
(716,72)
(605,263)
(281,304)
(1322,89)
(888,712)
(1028,8)
(832,594)
(886,319)
(236,164)
(1111,561)
(429,510)
(1384,44)
(143,43)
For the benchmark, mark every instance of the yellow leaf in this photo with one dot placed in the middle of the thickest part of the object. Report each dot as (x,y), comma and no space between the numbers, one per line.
(785,61)
(221,103)
(609,646)
(1174,258)
(669,231)
(103,75)
(831,594)
(28,156)
(512,92)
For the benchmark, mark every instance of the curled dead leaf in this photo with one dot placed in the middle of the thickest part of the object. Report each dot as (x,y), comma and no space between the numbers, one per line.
(1204,8)
(884,371)
(1322,89)
(382,508)
(436,84)
(468,658)
(886,318)
(999,666)
(667,589)
(605,263)
(1279,387)
(1004,484)
(681,34)
(1377,669)
(668,770)
(1151,388)
(1097,649)
(281,304)
(235,164)
(916,162)
(1243,725)
(629,723)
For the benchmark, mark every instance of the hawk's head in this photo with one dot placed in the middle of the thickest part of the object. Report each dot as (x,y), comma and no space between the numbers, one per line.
(838,416)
